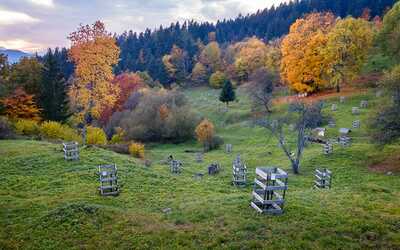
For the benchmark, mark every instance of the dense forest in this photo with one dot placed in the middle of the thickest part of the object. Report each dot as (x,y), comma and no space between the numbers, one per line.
(144,51)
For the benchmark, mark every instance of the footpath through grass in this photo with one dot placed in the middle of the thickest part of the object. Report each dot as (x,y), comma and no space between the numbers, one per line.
(47,203)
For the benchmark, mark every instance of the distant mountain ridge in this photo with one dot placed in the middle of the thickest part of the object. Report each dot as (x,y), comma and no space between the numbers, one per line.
(14,55)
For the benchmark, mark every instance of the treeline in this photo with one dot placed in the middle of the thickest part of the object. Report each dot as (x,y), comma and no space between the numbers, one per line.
(320,51)
(144,51)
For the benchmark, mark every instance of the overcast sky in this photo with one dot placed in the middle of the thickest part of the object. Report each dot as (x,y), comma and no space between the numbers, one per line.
(34,25)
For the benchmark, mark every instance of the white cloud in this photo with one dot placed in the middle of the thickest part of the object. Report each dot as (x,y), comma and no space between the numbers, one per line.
(21,44)
(46,3)
(8,17)
(51,27)
(213,10)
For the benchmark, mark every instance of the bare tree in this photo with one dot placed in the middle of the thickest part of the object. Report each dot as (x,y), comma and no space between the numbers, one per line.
(260,88)
(304,117)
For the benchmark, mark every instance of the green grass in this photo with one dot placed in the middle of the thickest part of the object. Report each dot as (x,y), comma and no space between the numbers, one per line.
(47,203)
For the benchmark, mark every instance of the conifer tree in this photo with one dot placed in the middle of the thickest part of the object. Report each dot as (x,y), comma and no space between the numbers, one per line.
(227,93)
(53,91)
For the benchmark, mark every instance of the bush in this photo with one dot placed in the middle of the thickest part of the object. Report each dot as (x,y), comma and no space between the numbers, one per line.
(136,150)
(56,130)
(71,135)
(385,124)
(175,123)
(27,127)
(51,129)
(118,137)
(95,136)
(6,130)
(217,80)
(205,132)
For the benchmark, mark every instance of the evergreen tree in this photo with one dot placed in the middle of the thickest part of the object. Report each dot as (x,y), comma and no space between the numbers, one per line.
(53,96)
(227,93)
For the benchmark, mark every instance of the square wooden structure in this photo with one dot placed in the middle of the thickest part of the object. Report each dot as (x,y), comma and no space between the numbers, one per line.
(239,171)
(344,141)
(364,104)
(356,124)
(328,148)
(213,168)
(199,157)
(323,178)
(269,192)
(228,148)
(355,110)
(71,151)
(108,176)
(176,166)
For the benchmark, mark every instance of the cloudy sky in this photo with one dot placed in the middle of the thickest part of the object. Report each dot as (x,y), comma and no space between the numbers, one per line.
(33,25)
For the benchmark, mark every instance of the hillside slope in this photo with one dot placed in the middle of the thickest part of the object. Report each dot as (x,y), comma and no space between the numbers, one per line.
(48,203)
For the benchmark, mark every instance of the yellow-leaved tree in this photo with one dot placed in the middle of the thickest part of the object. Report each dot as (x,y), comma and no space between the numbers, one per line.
(303,65)
(347,49)
(274,56)
(210,57)
(94,51)
(251,56)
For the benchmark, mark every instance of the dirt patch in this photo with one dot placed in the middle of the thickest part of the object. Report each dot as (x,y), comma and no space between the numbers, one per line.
(346,91)
(390,165)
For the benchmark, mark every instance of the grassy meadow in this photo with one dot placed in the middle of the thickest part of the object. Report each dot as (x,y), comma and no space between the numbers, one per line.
(48,203)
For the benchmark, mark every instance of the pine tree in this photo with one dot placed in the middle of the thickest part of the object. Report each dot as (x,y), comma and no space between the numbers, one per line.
(53,94)
(227,93)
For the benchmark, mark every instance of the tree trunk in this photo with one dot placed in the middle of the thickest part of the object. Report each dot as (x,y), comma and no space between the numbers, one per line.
(267,108)
(84,135)
(338,88)
(295,167)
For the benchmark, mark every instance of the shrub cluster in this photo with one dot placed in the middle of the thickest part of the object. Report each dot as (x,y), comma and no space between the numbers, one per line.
(118,137)
(27,127)
(56,130)
(136,150)
(95,136)
(158,115)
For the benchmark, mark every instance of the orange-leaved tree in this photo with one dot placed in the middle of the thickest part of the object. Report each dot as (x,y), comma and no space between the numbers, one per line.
(303,65)
(94,51)
(128,83)
(163,111)
(20,105)
(205,132)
